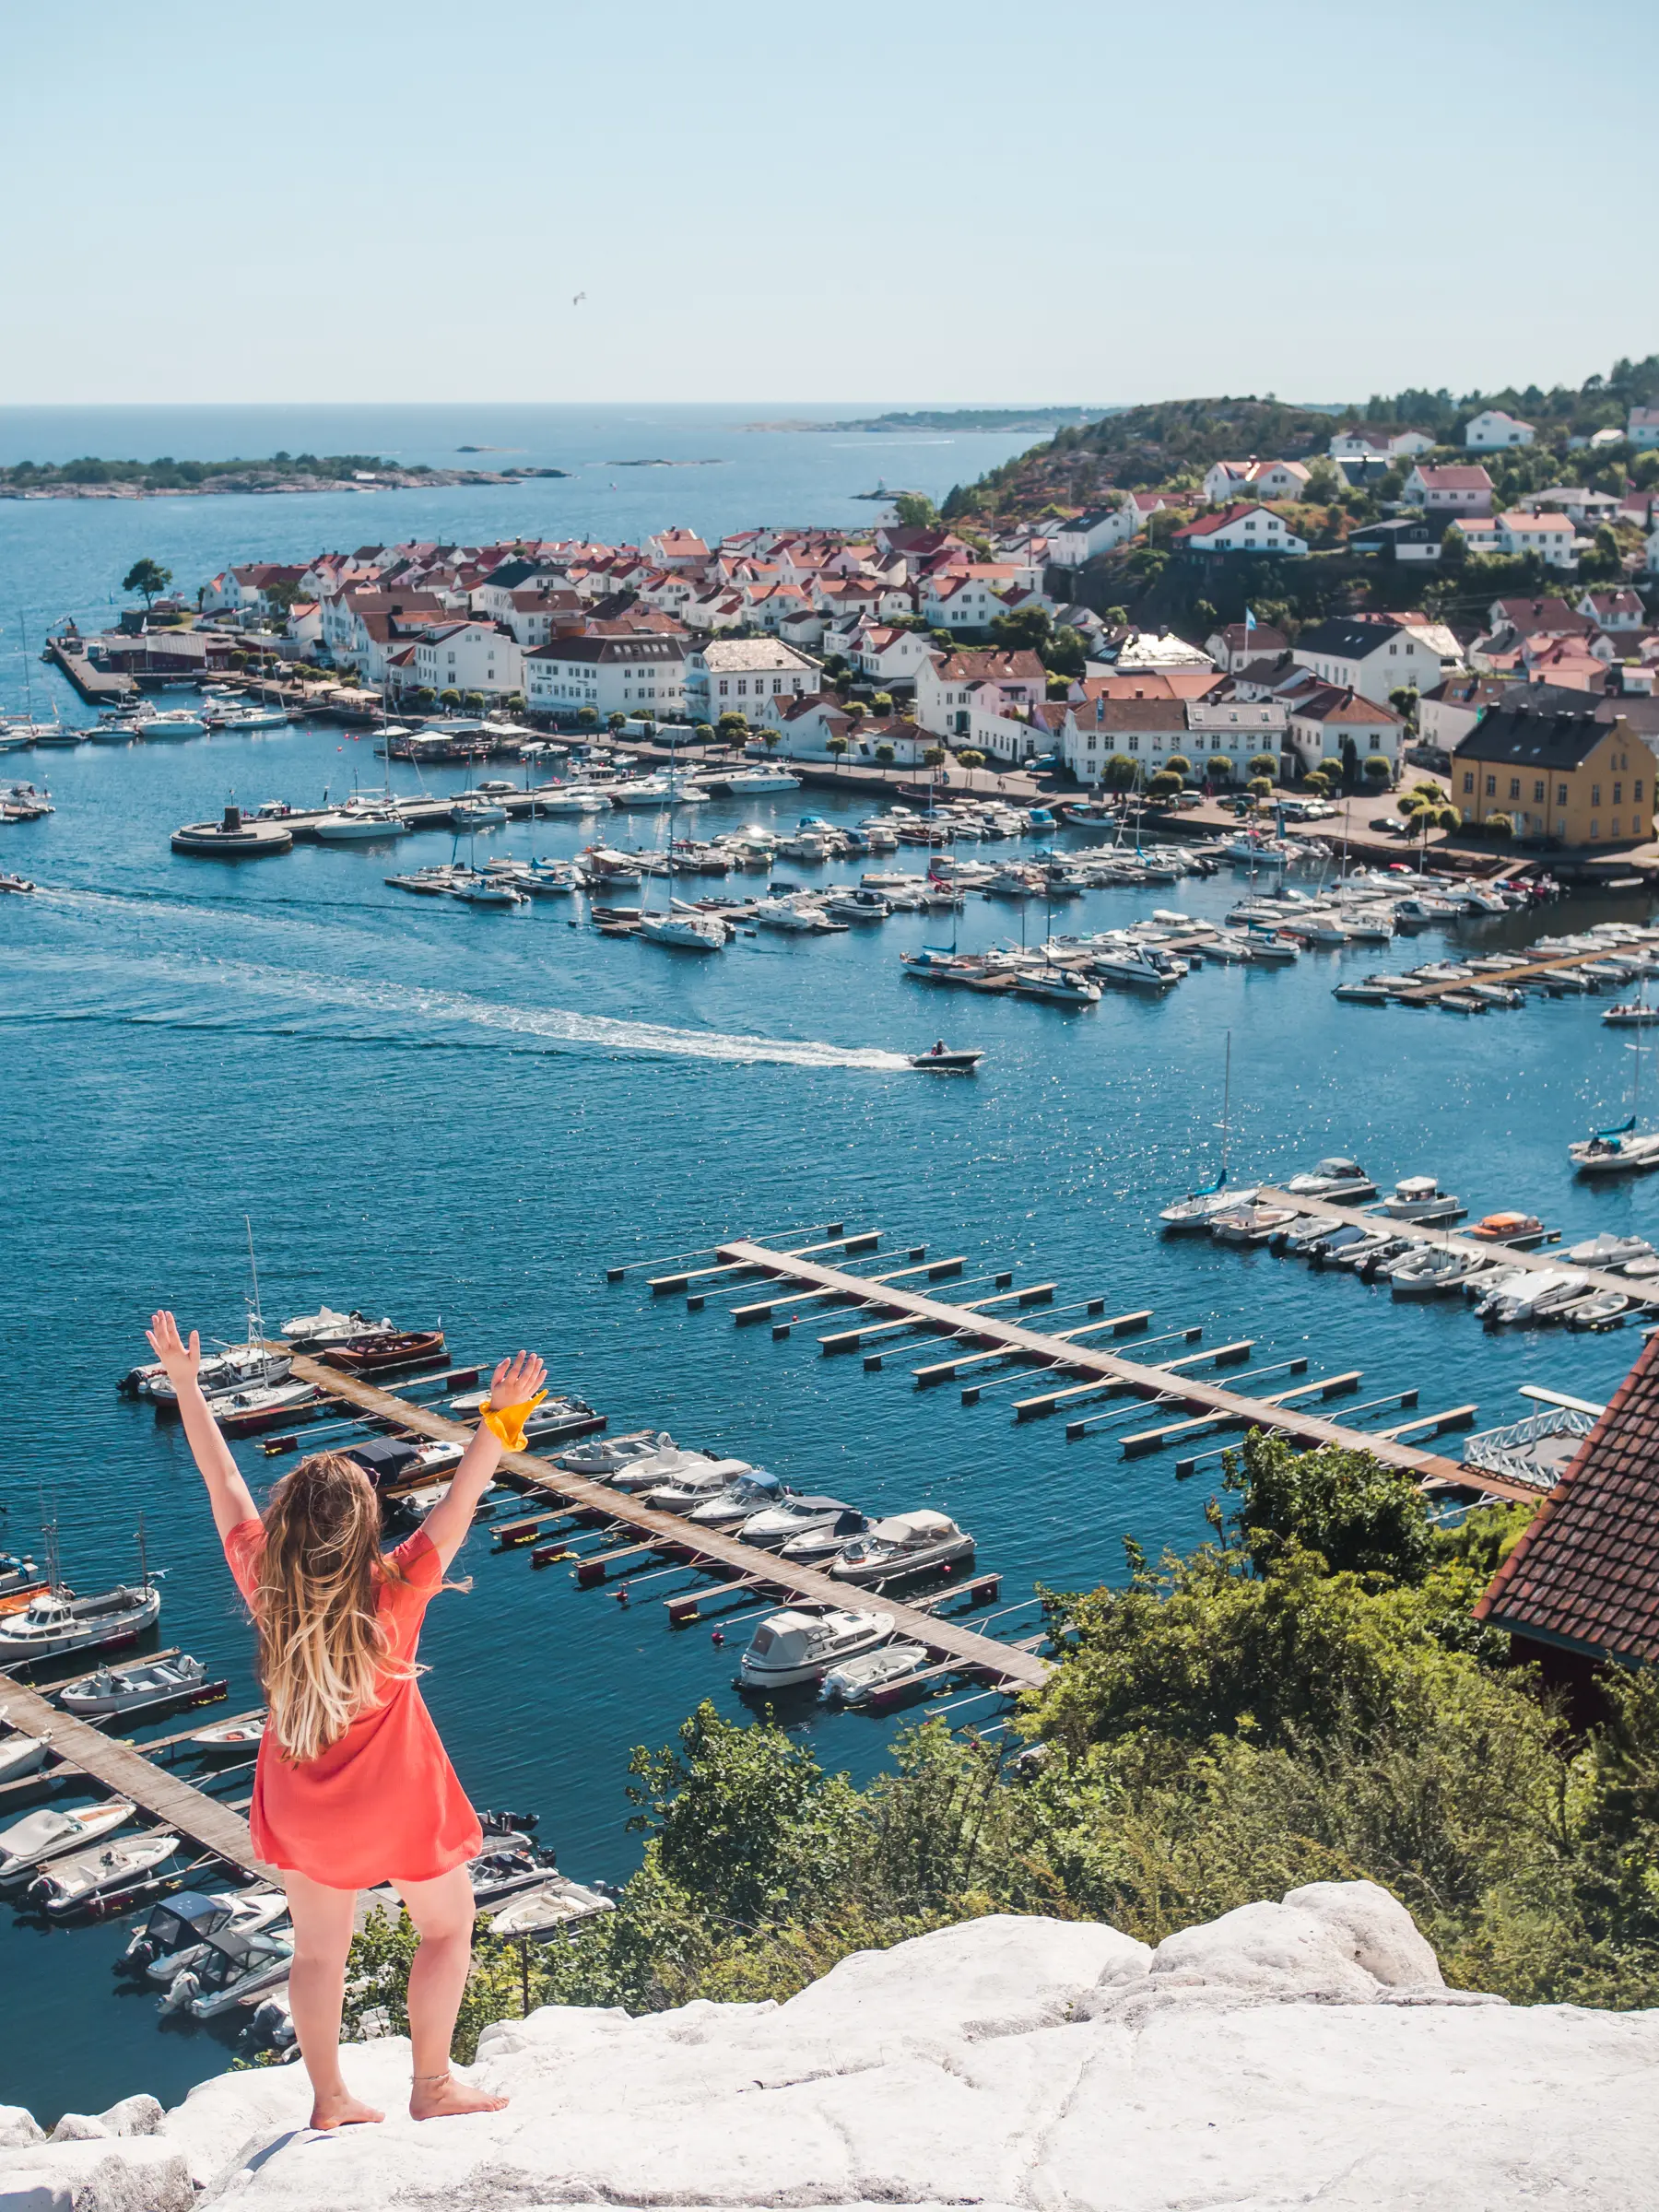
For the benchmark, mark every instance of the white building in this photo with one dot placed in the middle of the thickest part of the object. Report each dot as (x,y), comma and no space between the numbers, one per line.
(1242,529)
(952,688)
(734,676)
(1614,610)
(1259,479)
(1643,426)
(970,597)
(1074,541)
(1373,659)
(1357,445)
(469,657)
(885,656)
(1550,536)
(642,672)
(1467,490)
(1493,427)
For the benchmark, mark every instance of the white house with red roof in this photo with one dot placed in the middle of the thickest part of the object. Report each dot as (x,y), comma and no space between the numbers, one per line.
(1463,489)
(969,597)
(736,675)
(1614,610)
(1230,480)
(952,687)
(1241,529)
(1359,445)
(885,656)
(1548,536)
(634,671)
(1642,428)
(1493,427)
(677,549)
(469,657)
(1323,716)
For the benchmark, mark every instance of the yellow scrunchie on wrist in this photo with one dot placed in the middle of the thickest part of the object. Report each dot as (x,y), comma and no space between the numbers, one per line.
(507,1422)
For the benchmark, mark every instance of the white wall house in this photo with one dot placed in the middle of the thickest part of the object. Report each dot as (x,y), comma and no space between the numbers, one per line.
(1371,658)
(1325,716)
(1074,541)
(1467,490)
(1493,427)
(968,598)
(1355,445)
(469,657)
(1259,479)
(885,656)
(1643,426)
(642,673)
(734,676)
(1550,536)
(950,687)
(1245,529)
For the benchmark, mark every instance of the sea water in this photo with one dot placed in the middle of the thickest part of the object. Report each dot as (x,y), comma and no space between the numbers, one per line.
(467,1115)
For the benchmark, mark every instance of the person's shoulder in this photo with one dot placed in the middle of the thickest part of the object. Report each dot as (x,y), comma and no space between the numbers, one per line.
(414,1563)
(243,1545)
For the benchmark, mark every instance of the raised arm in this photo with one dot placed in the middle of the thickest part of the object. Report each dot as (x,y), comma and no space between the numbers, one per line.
(230,1496)
(516,1383)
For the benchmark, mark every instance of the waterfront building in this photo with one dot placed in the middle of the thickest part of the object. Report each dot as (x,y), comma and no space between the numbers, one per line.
(635,672)
(468,656)
(1377,657)
(1559,771)
(734,676)
(951,687)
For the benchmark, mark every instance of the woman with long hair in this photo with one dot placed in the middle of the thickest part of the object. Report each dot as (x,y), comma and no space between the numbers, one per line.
(353,1788)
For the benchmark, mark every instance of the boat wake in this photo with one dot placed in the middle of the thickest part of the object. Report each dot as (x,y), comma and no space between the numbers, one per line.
(214,995)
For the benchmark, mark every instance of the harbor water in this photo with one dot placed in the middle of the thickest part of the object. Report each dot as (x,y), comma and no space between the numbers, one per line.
(445,1114)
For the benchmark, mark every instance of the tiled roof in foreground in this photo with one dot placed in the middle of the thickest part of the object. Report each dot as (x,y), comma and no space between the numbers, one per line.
(1586,1574)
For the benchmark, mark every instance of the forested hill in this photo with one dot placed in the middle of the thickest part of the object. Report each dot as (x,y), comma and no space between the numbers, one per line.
(1141,446)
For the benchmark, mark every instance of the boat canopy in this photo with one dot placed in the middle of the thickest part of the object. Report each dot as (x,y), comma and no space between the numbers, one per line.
(901,1528)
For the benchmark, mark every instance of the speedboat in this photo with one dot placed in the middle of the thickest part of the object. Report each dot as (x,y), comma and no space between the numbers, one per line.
(1429,1271)
(798,1645)
(1420,1198)
(1504,1308)
(673,1466)
(792,1515)
(571,798)
(817,1547)
(476,889)
(246,1412)
(476,814)
(606,1457)
(761,779)
(1143,967)
(1507,1229)
(404,1347)
(229,1739)
(80,1877)
(860,904)
(1600,1310)
(315,1332)
(684,932)
(1249,1224)
(232,1965)
(905,1544)
(1608,1251)
(696,1484)
(176,722)
(1058,985)
(131,1688)
(744,1495)
(942,1060)
(248,718)
(358,820)
(168,1938)
(791,913)
(1630,1014)
(234,1369)
(553,1903)
(1339,1180)
(1615,1152)
(1198,1210)
(47,1833)
(56,1621)
(856,1680)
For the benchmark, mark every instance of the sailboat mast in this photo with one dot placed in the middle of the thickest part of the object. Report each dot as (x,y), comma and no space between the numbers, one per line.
(255,1315)
(1226,1104)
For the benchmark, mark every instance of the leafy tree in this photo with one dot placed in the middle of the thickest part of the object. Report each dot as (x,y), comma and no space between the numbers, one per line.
(915,511)
(1179,765)
(1116,617)
(425,697)
(1120,772)
(1265,764)
(946,639)
(1026,629)
(882,702)
(1404,700)
(703,731)
(1260,787)
(1066,652)
(148,578)
(1163,785)
(1205,615)
(1323,485)
(836,746)
(449,699)
(1360,1516)
(614,721)
(1376,768)
(1222,768)
(1499,826)
(770,739)
(473,702)
(1318,783)
(886,754)
(732,729)
(970,757)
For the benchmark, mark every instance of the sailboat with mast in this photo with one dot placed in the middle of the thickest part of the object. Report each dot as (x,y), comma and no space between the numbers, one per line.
(681,927)
(56,1621)
(1623,1149)
(1198,1209)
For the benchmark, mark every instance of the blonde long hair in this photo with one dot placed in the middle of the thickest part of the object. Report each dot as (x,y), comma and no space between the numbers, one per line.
(324,1656)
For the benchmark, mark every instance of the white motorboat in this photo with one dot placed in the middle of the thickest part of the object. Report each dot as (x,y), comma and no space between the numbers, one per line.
(1249,1223)
(1420,1198)
(1059,986)
(358,820)
(1429,1272)
(553,1903)
(176,722)
(1608,1251)
(1338,1179)
(773,1525)
(760,779)
(317,1332)
(46,1834)
(741,1498)
(131,1688)
(671,1465)
(696,1484)
(792,914)
(20,1579)
(905,1544)
(1198,1210)
(476,814)
(248,718)
(798,1645)
(817,1547)
(684,932)
(246,1412)
(233,1369)
(230,1965)
(1504,1308)
(229,1739)
(79,1876)
(56,1621)
(168,1938)
(856,1680)
(1142,967)
(475,890)
(1617,1152)
(20,1754)
(860,904)
(571,798)
(1599,1309)
(608,1455)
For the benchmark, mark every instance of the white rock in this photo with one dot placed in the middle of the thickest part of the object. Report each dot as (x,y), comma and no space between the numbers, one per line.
(138,2116)
(127,2173)
(17,2124)
(1285,2055)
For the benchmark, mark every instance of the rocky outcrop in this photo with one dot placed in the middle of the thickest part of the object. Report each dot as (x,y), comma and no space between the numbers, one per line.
(1286,2054)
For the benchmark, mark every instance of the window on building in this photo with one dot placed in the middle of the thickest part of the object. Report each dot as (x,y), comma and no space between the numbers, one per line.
(1596,829)
(1468,778)
(1617,794)
(1560,795)
(1492,787)
(1595,794)
(1537,794)
(1515,787)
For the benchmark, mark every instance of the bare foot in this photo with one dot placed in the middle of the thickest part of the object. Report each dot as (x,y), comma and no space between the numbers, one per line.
(440,2097)
(343,2111)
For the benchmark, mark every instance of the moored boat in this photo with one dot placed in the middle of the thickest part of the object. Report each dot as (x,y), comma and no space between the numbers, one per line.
(406,1347)
(798,1645)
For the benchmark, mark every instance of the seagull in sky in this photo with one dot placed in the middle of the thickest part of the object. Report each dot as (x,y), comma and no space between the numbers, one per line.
(579,299)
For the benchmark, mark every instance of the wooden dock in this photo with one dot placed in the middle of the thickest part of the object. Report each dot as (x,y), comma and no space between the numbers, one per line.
(1207,1400)
(1425,994)
(1446,1240)
(125,1769)
(676,1537)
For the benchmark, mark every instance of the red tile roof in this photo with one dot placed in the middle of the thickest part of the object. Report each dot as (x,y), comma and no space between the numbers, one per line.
(1585,1573)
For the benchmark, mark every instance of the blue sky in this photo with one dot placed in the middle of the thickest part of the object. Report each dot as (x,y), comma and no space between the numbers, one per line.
(957,203)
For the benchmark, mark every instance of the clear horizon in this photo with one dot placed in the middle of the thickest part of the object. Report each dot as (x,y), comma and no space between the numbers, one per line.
(532,207)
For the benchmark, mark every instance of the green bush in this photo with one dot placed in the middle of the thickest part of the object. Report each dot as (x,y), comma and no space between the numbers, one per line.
(1498,826)
(1164,785)
(1223,768)
(1260,787)
(1265,764)
(1376,768)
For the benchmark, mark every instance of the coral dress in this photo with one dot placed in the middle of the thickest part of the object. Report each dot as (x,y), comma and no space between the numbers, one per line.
(382,1803)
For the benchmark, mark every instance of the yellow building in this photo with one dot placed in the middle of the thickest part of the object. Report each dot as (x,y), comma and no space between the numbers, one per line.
(1558,772)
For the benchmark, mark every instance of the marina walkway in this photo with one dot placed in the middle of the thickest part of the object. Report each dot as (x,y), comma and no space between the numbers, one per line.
(125,1768)
(1176,1392)
(1446,1240)
(946,1638)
